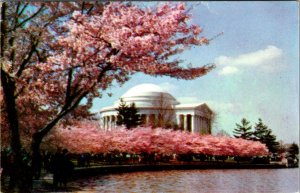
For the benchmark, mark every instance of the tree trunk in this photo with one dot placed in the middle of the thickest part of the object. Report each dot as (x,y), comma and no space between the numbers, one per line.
(36,156)
(36,143)
(18,168)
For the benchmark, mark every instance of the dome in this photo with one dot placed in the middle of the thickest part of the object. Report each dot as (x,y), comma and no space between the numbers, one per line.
(147,95)
(143,90)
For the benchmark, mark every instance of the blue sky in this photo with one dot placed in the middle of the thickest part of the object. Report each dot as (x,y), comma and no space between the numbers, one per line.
(257,73)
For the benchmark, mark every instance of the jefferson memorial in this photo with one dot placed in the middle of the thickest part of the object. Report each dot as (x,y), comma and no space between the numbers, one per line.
(153,102)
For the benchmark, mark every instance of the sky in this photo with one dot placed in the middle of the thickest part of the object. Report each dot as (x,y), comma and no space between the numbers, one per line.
(257,66)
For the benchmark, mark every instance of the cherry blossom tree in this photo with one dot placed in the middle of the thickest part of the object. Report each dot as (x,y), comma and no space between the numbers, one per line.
(150,141)
(100,49)
(64,61)
(28,31)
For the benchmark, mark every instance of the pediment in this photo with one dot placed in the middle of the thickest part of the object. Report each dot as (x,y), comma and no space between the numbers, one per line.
(204,108)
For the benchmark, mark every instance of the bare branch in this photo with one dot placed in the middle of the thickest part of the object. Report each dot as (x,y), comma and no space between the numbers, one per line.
(27,59)
(30,17)
(21,12)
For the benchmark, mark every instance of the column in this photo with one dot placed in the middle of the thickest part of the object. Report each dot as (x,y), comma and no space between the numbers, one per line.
(185,122)
(178,120)
(192,123)
(196,128)
(209,126)
(206,125)
(108,122)
(181,121)
(189,122)
(113,122)
(103,123)
(201,125)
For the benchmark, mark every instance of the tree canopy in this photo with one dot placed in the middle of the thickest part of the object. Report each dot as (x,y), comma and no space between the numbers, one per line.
(263,134)
(148,140)
(54,55)
(128,115)
(243,130)
(293,150)
(78,56)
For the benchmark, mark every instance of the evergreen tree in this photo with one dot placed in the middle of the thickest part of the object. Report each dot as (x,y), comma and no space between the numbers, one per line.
(122,112)
(134,117)
(128,115)
(243,130)
(293,150)
(263,134)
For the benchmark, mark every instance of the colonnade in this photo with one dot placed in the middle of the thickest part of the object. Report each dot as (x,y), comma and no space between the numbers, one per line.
(194,123)
(110,121)
(186,122)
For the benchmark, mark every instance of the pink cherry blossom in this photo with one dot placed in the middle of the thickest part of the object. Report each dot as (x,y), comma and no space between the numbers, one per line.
(88,137)
(91,52)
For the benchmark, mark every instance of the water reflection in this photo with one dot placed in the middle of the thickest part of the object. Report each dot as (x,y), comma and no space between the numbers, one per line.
(190,181)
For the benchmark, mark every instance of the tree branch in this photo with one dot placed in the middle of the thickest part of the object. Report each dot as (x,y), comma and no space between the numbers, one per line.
(17,11)
(89,11)
(104,70)
(82,7)
(24,7)
(38,136)
(30,17)
(68,92)
(27,59)
(3,29)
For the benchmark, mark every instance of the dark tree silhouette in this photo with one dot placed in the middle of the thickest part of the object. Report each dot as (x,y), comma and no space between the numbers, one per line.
(293,150)
(263,134)
(128,115)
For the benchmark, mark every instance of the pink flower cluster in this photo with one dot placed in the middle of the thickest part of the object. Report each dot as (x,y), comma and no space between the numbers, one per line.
(147,140)
(126,38)
(90,53)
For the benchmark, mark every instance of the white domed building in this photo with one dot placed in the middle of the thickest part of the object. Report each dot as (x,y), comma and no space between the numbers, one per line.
(153,102)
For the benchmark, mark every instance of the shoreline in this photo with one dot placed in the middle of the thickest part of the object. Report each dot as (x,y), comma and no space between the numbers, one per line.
(109,169)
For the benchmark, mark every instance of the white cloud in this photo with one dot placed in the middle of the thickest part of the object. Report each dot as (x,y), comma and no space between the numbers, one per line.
(265,58)
(253,58)
(228,70)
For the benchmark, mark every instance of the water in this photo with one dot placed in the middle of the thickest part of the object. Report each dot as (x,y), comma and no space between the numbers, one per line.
(194,181)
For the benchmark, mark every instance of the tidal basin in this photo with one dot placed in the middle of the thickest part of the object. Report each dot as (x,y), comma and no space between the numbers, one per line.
(192,181)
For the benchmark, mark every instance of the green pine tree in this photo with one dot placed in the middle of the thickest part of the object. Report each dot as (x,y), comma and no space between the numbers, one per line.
(134,117)
(243,130)
(263,134)
(122,112)
(128,115)
(293,150)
